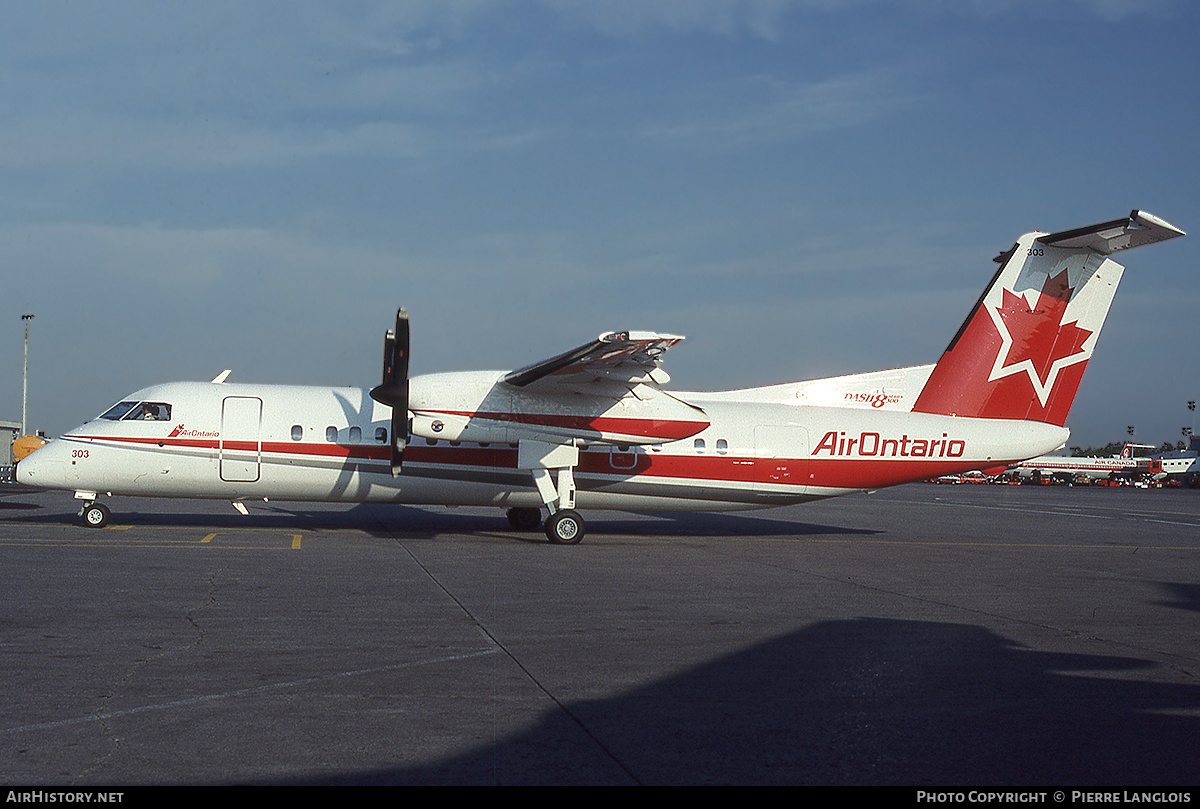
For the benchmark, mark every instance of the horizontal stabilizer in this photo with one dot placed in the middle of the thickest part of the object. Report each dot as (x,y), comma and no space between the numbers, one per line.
(1121,234)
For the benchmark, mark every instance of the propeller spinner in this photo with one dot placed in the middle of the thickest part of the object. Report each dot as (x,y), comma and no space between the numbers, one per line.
(393,391)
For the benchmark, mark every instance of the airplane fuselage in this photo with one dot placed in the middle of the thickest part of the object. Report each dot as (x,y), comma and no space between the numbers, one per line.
(593,427)
(277,442)
(1093,468)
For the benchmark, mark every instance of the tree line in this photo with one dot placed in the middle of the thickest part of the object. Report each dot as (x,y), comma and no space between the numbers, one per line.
(1115,448)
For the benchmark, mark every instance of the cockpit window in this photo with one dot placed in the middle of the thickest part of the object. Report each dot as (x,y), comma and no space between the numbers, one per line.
(118,411)
(139,411)
(154,411)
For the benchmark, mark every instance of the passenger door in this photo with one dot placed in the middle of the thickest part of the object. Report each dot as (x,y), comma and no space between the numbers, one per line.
(240,445)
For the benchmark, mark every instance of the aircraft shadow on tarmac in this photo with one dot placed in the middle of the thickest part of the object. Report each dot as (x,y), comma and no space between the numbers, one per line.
(406,522)
(866,701)
(8,505)
(1187,596)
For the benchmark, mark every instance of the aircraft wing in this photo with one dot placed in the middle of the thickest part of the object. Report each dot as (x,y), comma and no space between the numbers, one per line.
(625,357)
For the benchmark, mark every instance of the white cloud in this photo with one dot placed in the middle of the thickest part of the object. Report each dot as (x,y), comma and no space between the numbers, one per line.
(769,109)
(99,143)
(626,18)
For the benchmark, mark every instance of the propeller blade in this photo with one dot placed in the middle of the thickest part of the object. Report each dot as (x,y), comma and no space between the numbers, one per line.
(393,390)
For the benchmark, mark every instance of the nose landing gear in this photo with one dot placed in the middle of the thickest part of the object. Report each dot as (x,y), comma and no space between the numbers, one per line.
(95,515)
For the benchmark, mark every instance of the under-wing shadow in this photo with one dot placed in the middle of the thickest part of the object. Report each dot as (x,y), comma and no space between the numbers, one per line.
(868,701)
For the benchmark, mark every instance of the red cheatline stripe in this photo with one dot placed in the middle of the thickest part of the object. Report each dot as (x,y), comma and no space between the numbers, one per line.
(845,473)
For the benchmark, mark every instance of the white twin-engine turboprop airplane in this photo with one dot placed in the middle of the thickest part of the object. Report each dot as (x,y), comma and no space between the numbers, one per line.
(593,428)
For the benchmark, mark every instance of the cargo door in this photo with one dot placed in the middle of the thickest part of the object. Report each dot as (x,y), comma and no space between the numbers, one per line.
(240,445)
(781,454)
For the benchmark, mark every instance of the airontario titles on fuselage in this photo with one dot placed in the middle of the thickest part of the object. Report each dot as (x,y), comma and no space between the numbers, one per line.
(875,445)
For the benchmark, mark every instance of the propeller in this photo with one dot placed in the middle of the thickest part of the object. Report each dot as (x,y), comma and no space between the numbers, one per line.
(393,391)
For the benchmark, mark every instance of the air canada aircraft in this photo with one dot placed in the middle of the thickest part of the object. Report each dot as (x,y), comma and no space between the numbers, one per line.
(596,428)
(1095,468)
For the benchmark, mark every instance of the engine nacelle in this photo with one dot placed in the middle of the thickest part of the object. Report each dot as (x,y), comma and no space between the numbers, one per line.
(450,427)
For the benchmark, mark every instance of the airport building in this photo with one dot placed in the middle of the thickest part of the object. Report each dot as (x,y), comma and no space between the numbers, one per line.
(9,432)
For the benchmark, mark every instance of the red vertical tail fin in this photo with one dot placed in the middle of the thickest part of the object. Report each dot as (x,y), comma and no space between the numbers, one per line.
(1022,350)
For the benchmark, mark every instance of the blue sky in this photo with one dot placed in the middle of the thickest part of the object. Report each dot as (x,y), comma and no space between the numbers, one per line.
(801,188)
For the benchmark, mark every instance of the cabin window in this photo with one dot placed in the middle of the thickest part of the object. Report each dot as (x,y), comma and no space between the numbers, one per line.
(331,434)
(698,444)
(138,411)
(297,432)
(355,435)
(722,446)
(381,435)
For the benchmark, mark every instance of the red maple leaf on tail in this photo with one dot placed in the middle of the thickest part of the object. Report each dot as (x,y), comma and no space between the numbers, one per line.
(1039,335)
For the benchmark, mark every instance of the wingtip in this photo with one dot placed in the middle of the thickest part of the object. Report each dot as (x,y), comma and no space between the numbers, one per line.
(1144,218)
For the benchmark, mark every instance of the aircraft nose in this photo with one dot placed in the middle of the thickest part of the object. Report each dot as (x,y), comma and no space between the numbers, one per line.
(41,467)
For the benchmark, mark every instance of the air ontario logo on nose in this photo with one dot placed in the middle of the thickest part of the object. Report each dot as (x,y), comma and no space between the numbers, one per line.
(181,430)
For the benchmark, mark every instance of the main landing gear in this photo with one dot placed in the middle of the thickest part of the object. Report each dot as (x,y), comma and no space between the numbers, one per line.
(564,527)
(524,519)
(552,468)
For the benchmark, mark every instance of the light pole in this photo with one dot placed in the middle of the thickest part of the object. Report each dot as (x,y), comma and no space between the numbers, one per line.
(25,379)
